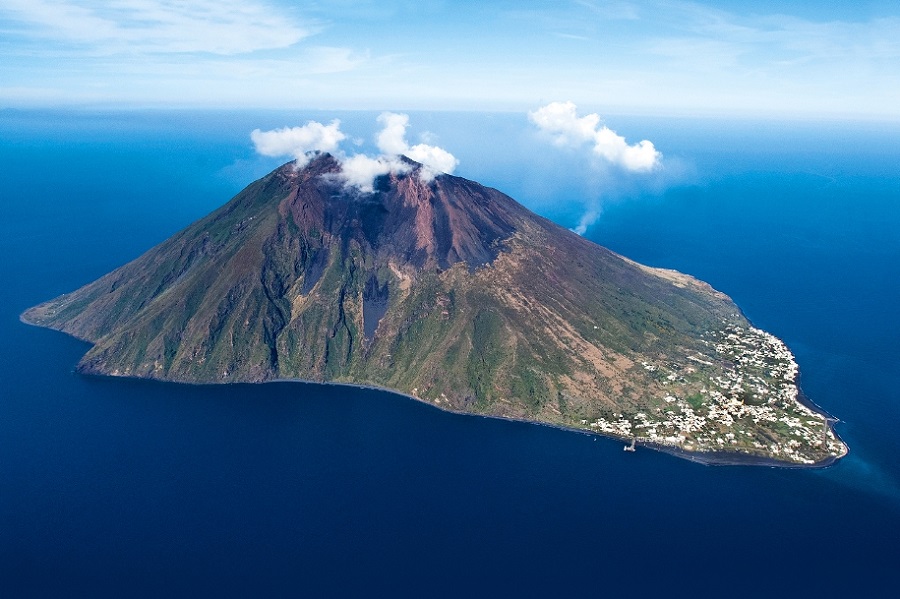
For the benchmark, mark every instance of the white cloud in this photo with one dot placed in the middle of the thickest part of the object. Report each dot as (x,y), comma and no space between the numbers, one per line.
(392,137)
(358,170)
(561,121)
(436,160)
(392,141)
(299,141)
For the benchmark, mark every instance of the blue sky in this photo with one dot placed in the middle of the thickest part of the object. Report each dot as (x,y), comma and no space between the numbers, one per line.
(666,57)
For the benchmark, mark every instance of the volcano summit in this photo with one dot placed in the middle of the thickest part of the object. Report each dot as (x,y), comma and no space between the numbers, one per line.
(455,294)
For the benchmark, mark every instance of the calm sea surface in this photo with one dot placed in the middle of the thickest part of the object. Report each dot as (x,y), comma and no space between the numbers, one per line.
(131,488)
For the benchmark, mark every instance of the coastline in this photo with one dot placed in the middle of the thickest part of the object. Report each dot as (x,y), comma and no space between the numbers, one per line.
(722,458)
(706,458)
(803,400)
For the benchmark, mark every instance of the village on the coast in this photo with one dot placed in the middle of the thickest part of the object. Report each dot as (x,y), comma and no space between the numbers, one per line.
(752,407)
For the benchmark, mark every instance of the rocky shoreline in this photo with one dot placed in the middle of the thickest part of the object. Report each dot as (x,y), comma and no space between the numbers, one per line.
(707,458)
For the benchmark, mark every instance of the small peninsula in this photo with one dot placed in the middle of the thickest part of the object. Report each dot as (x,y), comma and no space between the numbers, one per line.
(439,288)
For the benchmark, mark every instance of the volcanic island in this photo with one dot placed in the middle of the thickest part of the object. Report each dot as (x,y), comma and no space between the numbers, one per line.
(439,288)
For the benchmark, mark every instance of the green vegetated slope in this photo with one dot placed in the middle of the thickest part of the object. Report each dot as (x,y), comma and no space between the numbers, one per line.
(451,292)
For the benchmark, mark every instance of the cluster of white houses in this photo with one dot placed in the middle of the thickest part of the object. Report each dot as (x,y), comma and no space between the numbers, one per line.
(751,407)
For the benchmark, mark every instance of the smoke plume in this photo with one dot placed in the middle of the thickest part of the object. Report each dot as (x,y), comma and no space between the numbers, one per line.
(611,162)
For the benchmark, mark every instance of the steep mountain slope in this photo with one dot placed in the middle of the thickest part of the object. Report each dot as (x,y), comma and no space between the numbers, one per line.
(455,294)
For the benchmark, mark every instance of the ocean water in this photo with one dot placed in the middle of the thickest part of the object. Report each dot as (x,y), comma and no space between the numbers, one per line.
(131,488)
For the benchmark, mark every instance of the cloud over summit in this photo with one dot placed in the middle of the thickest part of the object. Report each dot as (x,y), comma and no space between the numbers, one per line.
(299,141)
(392,141)
(358,170)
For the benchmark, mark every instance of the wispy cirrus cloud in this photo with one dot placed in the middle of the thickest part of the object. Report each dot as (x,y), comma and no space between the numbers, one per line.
(224,27)
(652,56)
(767,41)
(612,10)
(224,53)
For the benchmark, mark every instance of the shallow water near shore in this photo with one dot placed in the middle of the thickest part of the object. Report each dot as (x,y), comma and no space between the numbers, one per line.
(112,487)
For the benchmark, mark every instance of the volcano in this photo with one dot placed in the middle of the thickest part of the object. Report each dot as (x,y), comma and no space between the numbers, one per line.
(445,290)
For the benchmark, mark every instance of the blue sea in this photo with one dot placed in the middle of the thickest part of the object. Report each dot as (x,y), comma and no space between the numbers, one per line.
(127,488)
